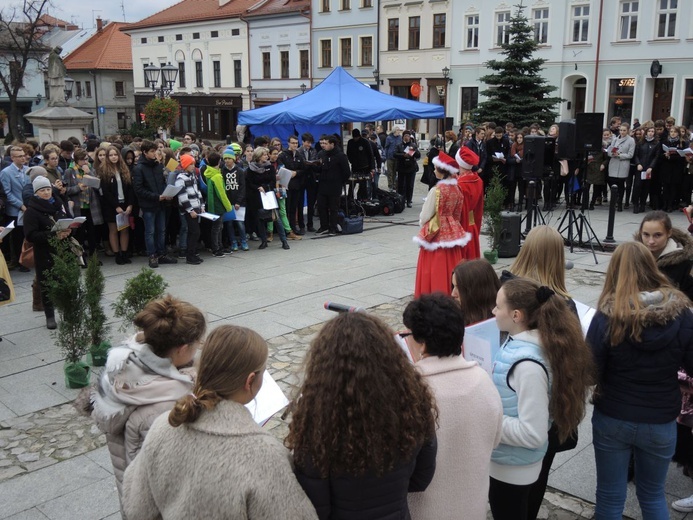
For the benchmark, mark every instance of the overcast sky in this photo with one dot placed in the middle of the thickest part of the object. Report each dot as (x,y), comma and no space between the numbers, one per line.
(84,12)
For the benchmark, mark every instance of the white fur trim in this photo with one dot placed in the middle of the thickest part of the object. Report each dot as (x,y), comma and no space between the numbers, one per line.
(452,182)
(444,166)
(432,246)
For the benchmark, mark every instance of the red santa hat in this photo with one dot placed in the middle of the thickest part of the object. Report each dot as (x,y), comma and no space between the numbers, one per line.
(447,163)
(466,158)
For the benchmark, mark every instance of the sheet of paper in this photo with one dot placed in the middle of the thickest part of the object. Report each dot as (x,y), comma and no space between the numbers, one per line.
(172,165)
(9,227)
(284,175)
(268,401)
(269,200)
(171,191)
(240,213)
(210,216)
(586,313)
(481,342)
(71,223)
(499,155)
(122,221)
(401,342)
(685,152)
(92,182)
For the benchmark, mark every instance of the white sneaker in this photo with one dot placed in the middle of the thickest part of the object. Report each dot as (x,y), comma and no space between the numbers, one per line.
(684,505)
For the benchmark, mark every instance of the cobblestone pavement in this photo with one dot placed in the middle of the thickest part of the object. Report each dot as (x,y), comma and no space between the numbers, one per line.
(40,439)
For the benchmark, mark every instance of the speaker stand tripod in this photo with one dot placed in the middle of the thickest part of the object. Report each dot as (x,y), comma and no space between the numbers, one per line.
(577,223)
(534,216)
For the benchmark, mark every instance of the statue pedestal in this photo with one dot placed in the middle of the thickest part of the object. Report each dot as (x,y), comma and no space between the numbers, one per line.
(57,123)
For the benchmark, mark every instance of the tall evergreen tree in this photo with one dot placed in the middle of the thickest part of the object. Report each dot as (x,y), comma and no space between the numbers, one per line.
(519,93)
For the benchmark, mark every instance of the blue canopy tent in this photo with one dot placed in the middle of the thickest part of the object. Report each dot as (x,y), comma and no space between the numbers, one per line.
(340,98)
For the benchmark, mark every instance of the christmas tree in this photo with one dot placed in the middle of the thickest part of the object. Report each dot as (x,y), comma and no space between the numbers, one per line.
(518,93)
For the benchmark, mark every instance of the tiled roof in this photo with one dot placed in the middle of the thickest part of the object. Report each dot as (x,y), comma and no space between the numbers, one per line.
(193,11)
(268,7)
(109,49)
(52,21)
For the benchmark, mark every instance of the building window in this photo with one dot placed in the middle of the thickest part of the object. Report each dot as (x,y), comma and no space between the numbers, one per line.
(305,64)
(666,14)
(143,40)
(393,34)
(470,101)
(325,6)
(502,28)
(214,34)
(160,39)
(367,51)
(120,89)
(266,66)
(181,74)
(216,70)
(284,60)
(196,36)
(237,76)
(198,74)
(414,32)
(326,53)
(472,31)
(541,26)
(235,32)
(179,37)
(78,89)
(438,30)
(688,104)
(367,3)
(621,98)
(122,121)
(87,89)
(346,5)
(581,23)
(629,21)
(345,51)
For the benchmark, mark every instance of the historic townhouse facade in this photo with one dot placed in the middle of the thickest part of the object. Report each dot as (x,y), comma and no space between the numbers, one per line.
(208,43)
(345,34)
(621,57)
(279,50)
(415,41)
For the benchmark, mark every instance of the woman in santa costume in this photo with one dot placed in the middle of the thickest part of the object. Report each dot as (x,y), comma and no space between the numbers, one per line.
(473,190)
(442,237)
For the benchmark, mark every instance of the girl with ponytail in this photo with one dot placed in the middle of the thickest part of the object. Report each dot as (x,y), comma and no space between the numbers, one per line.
(208,458)
(542,373)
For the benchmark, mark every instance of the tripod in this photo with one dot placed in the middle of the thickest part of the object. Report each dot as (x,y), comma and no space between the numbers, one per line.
(534,216)
(578,224)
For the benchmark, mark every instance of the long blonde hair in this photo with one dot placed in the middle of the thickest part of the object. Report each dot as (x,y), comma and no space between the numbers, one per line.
(632,270)
(542,259)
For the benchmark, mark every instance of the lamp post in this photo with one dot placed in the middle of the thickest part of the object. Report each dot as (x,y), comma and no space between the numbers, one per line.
(303,88)
(168,74)
(39,97)
(376,76)
(448,81)
(250,96)
(69,83)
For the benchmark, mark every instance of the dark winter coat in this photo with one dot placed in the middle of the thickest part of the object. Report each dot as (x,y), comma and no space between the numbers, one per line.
(109,197)
(647,153)
(407,163)
(676,260)
(149,182)
(293,161)
(39,219)
(334,172)
(259,175)
(369,497)
(638,381)
(234,184)
(478,148)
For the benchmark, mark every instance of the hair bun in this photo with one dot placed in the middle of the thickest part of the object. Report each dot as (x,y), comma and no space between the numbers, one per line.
(544,293)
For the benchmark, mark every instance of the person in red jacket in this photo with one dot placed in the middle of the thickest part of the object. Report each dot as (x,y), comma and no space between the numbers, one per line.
(473,191)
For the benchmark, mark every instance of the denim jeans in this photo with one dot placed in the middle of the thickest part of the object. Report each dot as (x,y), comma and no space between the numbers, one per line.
(155,231)
(183,236)
(653,446)
(231,232)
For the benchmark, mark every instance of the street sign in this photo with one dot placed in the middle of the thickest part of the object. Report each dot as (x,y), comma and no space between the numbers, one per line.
(102,110)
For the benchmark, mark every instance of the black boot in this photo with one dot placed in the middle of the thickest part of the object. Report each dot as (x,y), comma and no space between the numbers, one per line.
(285,245)
(50,319)
(263,244)
(119,258)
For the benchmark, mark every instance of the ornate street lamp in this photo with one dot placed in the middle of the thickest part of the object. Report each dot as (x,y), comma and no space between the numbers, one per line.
(303,88)
(69,83)
(168,73)
(250,96)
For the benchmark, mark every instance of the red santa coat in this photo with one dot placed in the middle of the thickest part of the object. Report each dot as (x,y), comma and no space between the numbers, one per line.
(472,188)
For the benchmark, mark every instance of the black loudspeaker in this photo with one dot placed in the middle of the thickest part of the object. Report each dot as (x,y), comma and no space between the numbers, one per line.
(566,140)
(448,123)
(538,155)
(509,244)
(588,131)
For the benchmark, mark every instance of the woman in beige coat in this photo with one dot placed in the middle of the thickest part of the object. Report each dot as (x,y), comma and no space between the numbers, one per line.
(470,412)
(145,376)
(208,458)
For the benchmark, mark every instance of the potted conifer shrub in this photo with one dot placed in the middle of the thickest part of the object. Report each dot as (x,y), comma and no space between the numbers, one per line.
(138,292)
(493,206)
(68,295)
(96,324)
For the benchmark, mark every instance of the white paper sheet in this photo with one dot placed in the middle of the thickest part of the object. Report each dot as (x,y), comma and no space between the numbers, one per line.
(172,191)
(65,223)
(122,221)
(9,227)
(240,213)
(269,200)
(481,342)
(268,401)
(92,182)
(210,216)
(586,313)
(284,175)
